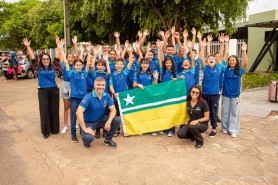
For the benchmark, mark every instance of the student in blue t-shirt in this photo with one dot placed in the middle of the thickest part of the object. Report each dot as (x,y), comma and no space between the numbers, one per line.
(231,92)
(91,115)
(188,71)
(210,84)
(15,62)
(48,92)
(78,85)
(118,80)
(167,73)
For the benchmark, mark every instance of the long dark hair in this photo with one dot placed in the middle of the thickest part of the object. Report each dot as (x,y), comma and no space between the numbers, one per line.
(173,69)
(144,61)
(200,94)
(237,67)
(41,66)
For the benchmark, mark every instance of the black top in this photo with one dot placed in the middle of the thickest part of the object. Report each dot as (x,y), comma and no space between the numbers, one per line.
(197,112)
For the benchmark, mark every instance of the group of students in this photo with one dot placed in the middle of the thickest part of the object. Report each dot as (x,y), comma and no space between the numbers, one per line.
(135,67)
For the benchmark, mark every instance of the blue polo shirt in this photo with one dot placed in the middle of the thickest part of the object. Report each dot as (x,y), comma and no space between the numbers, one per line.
(112,65)
(180,62)
(104,75)
(188,78)
(232,82)
(95,107)
(13,55)
(119,80)
(144,78)
(197,68)
(90,79)
(210,84)
(154,66)
(46,78)
(78,83)
(133,71)
(64,71)
(168,76)
(224,63)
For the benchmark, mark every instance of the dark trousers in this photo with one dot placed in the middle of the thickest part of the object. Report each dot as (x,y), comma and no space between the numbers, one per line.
(74,103)
(213,104)
(193,132)
(49,110)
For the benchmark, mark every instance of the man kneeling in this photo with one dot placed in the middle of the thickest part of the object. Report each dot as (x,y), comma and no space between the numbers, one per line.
(91,115)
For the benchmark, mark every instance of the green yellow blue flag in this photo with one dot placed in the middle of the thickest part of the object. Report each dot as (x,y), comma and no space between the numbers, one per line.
(157,107)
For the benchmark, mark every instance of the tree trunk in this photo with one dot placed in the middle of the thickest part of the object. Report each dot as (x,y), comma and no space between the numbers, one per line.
(157,11)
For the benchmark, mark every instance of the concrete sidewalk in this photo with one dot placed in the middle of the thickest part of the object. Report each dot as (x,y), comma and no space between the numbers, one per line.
(254,102)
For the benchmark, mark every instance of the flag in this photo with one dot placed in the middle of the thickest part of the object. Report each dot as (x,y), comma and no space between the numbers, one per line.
(157,107)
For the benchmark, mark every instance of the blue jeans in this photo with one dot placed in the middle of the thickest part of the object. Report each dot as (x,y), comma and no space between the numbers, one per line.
(88,138)
(230,115)
(74,103)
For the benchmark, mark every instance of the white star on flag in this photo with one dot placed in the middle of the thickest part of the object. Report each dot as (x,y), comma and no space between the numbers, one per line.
(129,99)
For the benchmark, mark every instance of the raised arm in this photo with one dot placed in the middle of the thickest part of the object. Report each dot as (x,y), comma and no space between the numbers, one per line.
(125,49)
(142,40)
(139,51)
(209,38)
(118,43)
(160,55)
(189,45)
(28,46)
(89,57)
(177,36)
(165,41)
(74,41)
(130,58)
(81,48)
(64,58)
(202,53)
(193,31)
(185,35)
(244,55)
(173,30)
(226,55)
(221,38)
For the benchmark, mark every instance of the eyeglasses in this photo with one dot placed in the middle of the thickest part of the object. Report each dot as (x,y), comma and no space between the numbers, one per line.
(46,59)
(195,92)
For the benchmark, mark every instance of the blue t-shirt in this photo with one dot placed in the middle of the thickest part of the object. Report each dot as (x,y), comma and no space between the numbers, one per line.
(168,76)
(144,78)
(64,71)
(119,80)
(224,63)
(94,107)
(78,83)
(13,55)
(46,78)
(112,65)
(90,79)
(210,84)
(232,83)
(188,78)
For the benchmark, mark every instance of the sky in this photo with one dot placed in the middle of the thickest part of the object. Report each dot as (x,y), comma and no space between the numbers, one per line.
(256,6)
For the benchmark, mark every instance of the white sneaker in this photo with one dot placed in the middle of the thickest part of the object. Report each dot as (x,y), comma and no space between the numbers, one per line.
(140,134)
(77,126)
(170,134)
(224,132)
(233,135)
(161,132)
(64,130)
(153,134)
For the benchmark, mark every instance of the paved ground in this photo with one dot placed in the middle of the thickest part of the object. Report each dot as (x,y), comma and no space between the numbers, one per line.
(27,158)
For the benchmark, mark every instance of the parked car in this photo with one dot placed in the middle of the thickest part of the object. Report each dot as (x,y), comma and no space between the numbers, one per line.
(7,56)
(26,72)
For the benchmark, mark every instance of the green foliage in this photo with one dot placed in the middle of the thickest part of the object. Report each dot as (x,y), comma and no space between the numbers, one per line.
(253,80)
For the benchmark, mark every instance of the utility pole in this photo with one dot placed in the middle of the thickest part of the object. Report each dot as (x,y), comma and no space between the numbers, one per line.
(67,26)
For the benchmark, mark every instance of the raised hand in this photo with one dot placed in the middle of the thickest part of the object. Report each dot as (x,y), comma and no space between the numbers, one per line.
(226,38)
(161,33)
(118,51)
(126,44)
(167,34)
(185,33)
(189,44)
(26,42)
(116,34)
(89,47)
(158,43)
(74,40)
(193,31)
(155,74)
(96,50)
(204,42)
(146,32)
(221,37)
(81,48)
(61,44)
(140,86)
(57,40)
(139,34)
(199,36)
(173,30)
(210,38)
(105,56)
(244,47)
(177,35)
